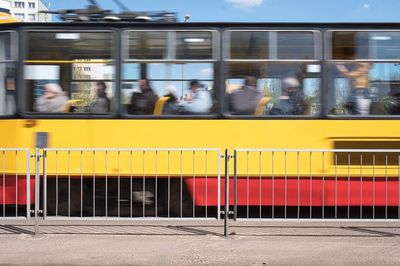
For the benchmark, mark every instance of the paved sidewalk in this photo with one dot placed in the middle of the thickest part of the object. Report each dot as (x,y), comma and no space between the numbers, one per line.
(200,243)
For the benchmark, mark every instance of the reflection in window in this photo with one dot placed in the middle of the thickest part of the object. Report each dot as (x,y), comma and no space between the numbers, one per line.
(271,45)
(147,45)
(285,88)
(365,45)
(356,92)
(296,45)
(79,63)
(194,45)
(249,45)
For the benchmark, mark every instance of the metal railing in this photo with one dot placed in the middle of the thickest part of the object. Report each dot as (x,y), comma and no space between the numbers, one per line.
(131,183)
(15,180)
(316,184)
(187,184)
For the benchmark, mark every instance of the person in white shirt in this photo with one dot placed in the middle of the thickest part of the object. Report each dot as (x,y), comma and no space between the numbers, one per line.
(198,101)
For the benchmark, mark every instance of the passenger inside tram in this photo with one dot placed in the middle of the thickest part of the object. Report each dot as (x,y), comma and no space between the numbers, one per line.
(359,100)
(143,101)
(291,102)
(243,101)
(54,99)
(101,103)
(196,101)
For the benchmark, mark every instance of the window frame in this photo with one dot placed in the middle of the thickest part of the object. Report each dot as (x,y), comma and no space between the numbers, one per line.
(215,61)
(14,59)
(319,60)
(114,57)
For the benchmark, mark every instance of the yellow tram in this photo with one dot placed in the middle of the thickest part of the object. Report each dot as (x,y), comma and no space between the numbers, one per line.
(219,56)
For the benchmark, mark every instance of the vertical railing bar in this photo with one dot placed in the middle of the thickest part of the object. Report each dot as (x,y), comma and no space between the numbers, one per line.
(373,186)
(285,169)
(94,184)
(69,183)
(119,184)
(323,185)
(336,185)
(44,184)
(226,210)
(4,184)
(181,185)
(16,183)
(169,185)
(247,185)
(206,154)
(311,185)
(37,189)
(219,185)
(130,185)
(28,184)
(156,186)
(81,183)
(194,185)
(57,182)
(348,184)
(386,186)
(260,192)
(144,185)
(398,186)
(273,185)
(235,185)
(361,186)
(106,207)
(298,185)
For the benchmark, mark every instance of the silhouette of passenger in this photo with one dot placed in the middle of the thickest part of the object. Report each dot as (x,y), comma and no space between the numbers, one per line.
(198,101)
(291,102)
(101,103)
(53,100)
(359,101)
(143,102)
(244,101)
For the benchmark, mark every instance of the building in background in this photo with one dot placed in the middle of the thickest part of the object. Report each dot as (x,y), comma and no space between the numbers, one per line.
(5,6)
(29,10)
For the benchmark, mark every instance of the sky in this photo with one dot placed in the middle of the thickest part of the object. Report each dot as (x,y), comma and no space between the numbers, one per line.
(259,10)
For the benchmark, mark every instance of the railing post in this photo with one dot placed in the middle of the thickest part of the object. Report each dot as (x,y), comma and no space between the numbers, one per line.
(226,210)
(37,189)
(235,185)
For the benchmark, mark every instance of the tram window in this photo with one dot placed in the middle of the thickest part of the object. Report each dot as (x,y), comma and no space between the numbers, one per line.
(7,74)
(147,45)
(296,45)
(69,72)
(170,80)
(249,45)
(159,68)
(285,89)
(363,88)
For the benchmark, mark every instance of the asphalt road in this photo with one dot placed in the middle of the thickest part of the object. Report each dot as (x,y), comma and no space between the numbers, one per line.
(200,243)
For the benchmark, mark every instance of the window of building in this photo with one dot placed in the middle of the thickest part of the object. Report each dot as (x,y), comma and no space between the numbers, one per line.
(86,68)
(49,71)
(32,17)
(19,16)
(19,4)
(31,5)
